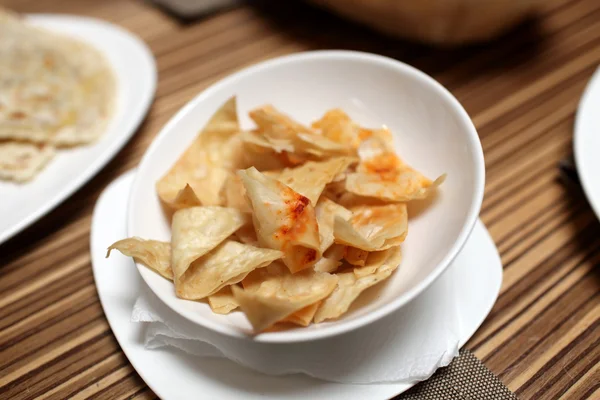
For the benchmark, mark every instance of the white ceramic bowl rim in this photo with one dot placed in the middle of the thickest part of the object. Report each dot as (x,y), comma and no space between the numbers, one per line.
(343,55)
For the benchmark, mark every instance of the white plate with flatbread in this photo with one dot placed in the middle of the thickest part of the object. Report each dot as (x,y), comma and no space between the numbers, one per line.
(134,71)
(586,143)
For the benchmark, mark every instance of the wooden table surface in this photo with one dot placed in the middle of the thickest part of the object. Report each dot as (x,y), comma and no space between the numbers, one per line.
(542,337)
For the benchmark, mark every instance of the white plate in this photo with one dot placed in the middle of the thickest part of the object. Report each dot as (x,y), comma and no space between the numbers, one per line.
(587,142)
(431,131)
(134,67)
(175,375)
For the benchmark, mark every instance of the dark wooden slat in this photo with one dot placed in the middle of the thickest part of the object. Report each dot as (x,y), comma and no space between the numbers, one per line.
(567,367)
(55,291)
(517,301)
(71,371)
(560,315)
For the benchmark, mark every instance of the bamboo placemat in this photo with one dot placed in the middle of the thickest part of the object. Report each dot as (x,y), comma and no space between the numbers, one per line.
(542,338)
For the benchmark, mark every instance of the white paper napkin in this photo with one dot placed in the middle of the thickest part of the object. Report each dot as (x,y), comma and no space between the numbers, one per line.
(407,346)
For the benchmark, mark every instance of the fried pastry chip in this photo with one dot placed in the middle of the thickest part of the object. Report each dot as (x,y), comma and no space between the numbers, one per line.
(222,302)
(350,286)
(277,124)
(276,144)
(373,228)
(326,212)
(204,260)
(271,294)
(381,174)
(337,126)
(332,258)
(152,253)
(304,316)
(310,179)
(185,198)
(276,127)
(198,230)
(375,260)
(204,164)
(225,265)
(407,184)
(283,219)
(326,264)
(356,256)
(233,194)
(247,235)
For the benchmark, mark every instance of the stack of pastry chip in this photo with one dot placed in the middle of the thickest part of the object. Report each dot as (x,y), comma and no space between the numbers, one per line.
(286,222)
(55,92)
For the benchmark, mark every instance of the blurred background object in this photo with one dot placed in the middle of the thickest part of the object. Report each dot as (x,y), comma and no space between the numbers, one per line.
(442,22)
(194,8)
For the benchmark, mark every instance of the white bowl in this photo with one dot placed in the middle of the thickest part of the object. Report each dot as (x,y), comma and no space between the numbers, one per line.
(431,130)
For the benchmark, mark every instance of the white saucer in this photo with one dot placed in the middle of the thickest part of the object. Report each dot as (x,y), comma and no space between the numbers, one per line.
(175,375)
(586,142)
(135,70)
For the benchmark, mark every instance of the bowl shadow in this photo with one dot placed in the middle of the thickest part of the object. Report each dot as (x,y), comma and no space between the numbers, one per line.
(319,29)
